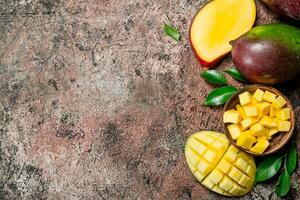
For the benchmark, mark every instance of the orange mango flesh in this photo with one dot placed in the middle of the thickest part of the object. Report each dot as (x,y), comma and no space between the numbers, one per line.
(218,23)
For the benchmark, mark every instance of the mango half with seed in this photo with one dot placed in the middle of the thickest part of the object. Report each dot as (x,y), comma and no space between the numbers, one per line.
(219,166)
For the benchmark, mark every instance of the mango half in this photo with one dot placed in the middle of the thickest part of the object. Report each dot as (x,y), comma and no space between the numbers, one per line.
(219,166)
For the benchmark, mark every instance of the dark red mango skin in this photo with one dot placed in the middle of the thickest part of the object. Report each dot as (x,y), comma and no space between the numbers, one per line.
(268,54)
(290,8)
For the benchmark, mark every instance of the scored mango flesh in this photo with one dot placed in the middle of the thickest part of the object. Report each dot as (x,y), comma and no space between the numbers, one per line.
(219,166)
(257,118)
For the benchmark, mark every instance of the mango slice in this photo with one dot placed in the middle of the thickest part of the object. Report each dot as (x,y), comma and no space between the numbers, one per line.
(218,23)
(219,166)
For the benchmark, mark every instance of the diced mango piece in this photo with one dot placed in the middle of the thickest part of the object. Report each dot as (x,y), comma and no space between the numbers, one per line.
(219,190)
(192,156)
(272,132)
(231,116)
(251,110)
(234,130)
(268,122)
(279,102)
(284,125)
(197,146)
(226,184)
(253,101)
(215,176)
(208,183)
(246,140)
(236,189)
(272,112)
(240,109)
(262,137)
(245,180)
(260,146)
(224,166)
(245,98)
(249,122)
(258,95)
(283,114)
(204,167)
(241,164)
(263,108)
(235,174)
(199,176)
(258,130)
(210,156)
(269,96)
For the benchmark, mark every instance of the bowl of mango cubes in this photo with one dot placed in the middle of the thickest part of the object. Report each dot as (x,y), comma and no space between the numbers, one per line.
(259,120)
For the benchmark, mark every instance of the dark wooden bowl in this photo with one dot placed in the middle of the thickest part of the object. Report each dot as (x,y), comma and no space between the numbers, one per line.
(279,139)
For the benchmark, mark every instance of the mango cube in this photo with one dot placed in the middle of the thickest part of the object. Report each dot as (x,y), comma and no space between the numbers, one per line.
(269,96)
(234,130)
(258,95)
(272,132)
(262,137)
(283,114)
(284,125)
(258,130)
(246,140)
(272,112)
(251,111)
(260,146)
(248,122)
(279,102)
(268,122)
(245,98)
(263,108)
(241,110)
(231,116)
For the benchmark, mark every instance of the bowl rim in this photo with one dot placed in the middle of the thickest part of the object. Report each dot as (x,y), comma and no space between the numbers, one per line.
(283,141)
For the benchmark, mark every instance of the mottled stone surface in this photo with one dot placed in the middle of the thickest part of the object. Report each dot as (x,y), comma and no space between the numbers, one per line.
(96,102)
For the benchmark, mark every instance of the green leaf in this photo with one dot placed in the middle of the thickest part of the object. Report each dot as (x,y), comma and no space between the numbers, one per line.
(219,96)
(268,168)
(284,184)
(234,72)
(214,77)
(171,32)
(291,160)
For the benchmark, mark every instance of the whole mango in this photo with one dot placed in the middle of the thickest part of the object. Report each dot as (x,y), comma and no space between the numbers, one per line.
(290,8)
(268,54)
(219,166)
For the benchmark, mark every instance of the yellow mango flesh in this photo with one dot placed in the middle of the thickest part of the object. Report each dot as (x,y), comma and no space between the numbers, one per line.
(219,166)
(261,115)
(218,23)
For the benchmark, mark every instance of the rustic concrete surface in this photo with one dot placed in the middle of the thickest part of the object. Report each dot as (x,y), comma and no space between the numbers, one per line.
(96,102)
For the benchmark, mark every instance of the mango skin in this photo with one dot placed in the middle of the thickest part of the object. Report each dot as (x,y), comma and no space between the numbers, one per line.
(290,8)
(268,54)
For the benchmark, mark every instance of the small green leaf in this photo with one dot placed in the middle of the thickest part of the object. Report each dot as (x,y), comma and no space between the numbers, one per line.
(268,168)
(171,32)
(219,96)
(234,72)
(291,160)
(284,184)
(214,77)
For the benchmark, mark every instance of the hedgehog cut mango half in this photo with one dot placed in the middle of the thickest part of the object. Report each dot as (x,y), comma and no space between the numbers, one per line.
(219,166)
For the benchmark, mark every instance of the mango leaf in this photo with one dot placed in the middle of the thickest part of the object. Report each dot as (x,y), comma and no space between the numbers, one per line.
(219,96)
(284,184)
(291,160)
(234,72)
(268,168)
(171,32)
(214,77)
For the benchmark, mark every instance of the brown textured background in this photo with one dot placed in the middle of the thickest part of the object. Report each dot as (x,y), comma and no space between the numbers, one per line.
(96,102)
